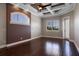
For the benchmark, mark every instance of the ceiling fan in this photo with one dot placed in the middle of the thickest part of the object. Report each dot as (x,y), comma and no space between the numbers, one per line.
(40,6)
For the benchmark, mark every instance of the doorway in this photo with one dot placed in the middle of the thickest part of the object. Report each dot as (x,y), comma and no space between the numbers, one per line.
(65,28)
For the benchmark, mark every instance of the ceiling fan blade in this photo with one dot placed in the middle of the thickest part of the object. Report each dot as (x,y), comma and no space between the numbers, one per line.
(47,5)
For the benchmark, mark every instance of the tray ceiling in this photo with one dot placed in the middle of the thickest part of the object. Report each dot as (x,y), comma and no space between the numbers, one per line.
(47,9)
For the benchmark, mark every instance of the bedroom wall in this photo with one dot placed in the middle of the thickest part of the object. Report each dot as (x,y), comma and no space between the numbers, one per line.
(35,26)
(71,27)
(76,24)
(17,32)
(2,24)
(51,33)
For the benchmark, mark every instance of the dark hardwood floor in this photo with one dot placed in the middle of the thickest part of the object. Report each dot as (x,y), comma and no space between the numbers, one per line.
(42,47)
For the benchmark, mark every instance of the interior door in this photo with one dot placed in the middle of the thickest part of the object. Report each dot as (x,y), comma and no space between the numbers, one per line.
(66,27)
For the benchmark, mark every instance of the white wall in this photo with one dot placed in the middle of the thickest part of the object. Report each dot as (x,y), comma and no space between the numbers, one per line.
(76,24)
(71,27)
(35,26)
(2,24)
(52,33)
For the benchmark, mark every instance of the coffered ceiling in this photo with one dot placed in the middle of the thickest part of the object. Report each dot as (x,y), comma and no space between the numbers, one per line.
(47,9)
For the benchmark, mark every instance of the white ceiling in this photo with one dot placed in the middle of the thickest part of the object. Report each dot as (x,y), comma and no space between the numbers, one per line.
(49,11)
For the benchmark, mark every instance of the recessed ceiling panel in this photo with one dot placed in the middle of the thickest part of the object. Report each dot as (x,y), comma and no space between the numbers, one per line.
(52,9)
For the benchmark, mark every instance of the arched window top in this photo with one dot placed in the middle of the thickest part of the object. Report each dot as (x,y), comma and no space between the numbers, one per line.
(19,18)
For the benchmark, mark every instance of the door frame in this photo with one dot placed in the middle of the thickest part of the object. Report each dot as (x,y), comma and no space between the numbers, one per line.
(63,27)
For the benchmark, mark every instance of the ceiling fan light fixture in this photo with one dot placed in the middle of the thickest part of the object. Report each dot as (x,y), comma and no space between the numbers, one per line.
(40,8)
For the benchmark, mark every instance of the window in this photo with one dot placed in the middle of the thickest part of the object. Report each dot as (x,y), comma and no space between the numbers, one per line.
(19,18)
(52,25)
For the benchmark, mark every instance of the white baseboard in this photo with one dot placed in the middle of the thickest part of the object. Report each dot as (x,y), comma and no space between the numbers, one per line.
(19,42)
(2,46)
(53,37)
(75,44)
